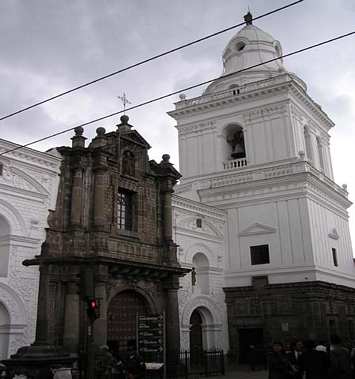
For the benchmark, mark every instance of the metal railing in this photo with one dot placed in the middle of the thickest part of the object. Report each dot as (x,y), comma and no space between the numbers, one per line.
(193,364)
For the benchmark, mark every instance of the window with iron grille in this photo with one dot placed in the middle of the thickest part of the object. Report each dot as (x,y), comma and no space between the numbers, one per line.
(124,210)
(259,254)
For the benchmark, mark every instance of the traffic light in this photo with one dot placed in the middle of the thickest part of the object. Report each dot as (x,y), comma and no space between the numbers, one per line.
(92,309)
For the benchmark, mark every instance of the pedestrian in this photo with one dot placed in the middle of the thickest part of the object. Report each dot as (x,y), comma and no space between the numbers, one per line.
(134,363)
(118,370)
(278,363)
(294,355)
(340,367)
(314,363)
(252,357)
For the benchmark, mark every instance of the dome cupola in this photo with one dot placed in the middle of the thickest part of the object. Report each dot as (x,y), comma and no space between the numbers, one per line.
(252,46)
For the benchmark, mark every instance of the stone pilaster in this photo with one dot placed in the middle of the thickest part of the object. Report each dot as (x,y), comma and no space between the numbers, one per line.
(42,331)
(71,317)
(100,325)
(76,198)
(172,316)
(100,185)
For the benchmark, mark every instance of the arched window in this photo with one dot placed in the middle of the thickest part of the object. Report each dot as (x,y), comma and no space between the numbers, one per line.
(320,153)
(235,140)
(201,266)
(128,163)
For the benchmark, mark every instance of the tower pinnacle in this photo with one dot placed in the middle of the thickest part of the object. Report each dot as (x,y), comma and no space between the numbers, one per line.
(248,18)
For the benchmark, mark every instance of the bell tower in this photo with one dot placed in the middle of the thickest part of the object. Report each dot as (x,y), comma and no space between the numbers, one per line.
(256,146)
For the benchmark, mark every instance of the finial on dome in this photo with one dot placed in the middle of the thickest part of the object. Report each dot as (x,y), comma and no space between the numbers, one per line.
(248,18)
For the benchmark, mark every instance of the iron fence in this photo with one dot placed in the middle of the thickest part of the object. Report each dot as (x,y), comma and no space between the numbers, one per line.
(193,364)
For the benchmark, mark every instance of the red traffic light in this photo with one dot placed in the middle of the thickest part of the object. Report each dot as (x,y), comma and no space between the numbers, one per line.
(93,304)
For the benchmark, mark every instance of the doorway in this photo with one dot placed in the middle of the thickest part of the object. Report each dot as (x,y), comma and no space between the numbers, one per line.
(250,337)
(121,319)
(196,342)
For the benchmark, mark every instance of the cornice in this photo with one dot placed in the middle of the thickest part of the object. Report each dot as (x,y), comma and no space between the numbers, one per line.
(182,203)
(311,105)
(200,236)
(250,91)
(282,180)
(29,156)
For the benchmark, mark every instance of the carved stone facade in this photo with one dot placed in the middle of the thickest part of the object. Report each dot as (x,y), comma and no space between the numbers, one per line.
(28,187)
(110,233)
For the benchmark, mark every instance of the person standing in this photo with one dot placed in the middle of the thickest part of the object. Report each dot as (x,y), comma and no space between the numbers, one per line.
(279,365)
(294,356)
(314,363)
(340,367)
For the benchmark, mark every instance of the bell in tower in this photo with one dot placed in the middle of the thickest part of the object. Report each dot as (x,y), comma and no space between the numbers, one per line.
(236,141)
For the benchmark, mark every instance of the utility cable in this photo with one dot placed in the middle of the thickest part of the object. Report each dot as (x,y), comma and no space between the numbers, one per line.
(178,91)
(41,102)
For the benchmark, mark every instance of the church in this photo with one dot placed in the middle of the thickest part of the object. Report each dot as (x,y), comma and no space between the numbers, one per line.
(257,214)
(252,246)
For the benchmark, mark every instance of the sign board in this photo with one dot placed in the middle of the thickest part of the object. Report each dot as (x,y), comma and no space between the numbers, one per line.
(151,337)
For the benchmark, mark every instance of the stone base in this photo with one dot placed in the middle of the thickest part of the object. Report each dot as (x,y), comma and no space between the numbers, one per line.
(37,360)
(262,313)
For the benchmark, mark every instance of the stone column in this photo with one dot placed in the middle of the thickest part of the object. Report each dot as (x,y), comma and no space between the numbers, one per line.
(100,324)
(172,317)
(99,197)
(42,332)
(71,317)
(76,199)
(167,215)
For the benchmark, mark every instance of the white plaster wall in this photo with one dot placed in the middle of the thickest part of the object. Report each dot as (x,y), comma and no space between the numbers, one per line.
(28,188)
(330,230)
(208,299)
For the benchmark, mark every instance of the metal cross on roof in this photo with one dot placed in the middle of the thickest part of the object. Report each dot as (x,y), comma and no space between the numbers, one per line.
(124,100)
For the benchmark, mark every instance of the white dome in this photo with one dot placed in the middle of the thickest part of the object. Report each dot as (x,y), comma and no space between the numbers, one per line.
(249,47)
(244,55)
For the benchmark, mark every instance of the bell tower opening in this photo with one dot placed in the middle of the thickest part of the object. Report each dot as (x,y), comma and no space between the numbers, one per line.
(235,142)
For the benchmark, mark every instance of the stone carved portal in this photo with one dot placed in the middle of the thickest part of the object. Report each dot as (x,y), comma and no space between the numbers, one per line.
(121,316)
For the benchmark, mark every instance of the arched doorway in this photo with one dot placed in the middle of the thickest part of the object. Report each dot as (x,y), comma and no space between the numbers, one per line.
(4,332)
(121,316)
(196,342)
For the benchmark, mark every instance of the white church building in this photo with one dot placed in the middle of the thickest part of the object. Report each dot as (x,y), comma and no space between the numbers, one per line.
(28,189)
(257,213)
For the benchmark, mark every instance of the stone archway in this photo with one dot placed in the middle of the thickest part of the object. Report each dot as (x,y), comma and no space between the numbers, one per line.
(121,318)
(212,326)
(4,332)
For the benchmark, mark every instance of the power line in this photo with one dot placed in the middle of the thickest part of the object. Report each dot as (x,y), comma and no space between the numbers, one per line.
(160,55)
(179,91)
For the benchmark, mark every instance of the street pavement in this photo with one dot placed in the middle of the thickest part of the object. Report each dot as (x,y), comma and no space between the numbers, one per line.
(244,374)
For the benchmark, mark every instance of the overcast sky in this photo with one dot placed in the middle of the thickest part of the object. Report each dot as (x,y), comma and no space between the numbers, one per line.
(47,46)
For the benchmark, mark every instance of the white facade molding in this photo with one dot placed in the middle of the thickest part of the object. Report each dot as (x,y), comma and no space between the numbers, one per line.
(257,229)
(334,234)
